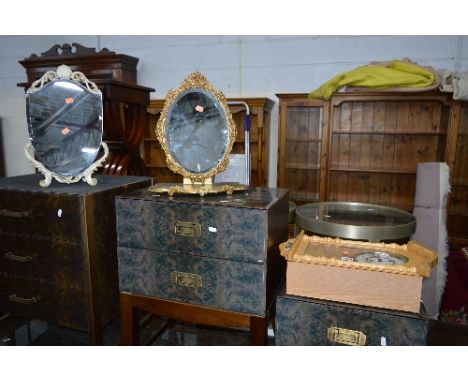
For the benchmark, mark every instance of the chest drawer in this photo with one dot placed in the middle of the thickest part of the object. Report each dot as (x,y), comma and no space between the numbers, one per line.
(238,234)
(229,285)
(40,214)
(57,304)
(51,260)
(303,321)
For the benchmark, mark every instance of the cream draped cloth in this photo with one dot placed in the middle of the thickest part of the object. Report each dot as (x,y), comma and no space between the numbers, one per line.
(456,83)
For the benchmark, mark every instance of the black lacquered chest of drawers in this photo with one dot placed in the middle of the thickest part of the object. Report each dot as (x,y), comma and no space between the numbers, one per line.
(58,250)
(218,252)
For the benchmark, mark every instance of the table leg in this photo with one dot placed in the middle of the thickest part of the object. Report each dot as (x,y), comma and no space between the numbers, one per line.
(128,321)
(258,330)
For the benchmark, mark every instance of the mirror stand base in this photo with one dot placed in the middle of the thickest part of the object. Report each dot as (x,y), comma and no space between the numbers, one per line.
(200,189)
(86,175)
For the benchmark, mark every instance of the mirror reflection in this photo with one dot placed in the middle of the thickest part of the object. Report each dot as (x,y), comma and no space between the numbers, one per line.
(197,131)
(65,126)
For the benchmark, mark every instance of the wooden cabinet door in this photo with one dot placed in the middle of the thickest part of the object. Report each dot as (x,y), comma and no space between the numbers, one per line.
(457,220)
(302,139)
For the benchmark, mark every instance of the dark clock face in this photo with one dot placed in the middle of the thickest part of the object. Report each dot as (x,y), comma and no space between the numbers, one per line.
(382,258)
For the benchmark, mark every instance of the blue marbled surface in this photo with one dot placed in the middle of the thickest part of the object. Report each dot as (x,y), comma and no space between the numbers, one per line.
(302,321)
(230,285)
(236,253)
(238,233)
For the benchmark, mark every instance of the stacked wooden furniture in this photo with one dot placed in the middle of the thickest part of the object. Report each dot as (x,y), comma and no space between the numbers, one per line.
(212,261)
(364,147)
(58,250)
(124,102)
(260,108)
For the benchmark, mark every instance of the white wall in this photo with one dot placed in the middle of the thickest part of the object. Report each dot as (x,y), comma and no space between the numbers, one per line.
(240,66)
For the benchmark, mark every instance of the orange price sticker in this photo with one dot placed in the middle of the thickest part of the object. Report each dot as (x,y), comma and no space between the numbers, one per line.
(69,100)
(199,108)
(65,131)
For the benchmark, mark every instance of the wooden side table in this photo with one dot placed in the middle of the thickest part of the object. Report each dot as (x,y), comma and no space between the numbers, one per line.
(130,303)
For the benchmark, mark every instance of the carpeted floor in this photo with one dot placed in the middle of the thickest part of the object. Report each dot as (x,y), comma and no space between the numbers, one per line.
(454,307)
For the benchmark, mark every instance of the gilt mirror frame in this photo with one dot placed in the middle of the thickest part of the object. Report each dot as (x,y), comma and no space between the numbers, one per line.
(65,73)
(196,82)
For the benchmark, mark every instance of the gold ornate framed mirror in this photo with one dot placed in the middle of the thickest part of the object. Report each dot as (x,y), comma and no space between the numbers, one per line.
(196,132)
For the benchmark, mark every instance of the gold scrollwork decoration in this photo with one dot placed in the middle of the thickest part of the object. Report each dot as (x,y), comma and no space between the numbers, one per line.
(313,250)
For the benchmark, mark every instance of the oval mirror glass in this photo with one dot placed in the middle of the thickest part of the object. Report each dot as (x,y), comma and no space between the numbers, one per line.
(65,123)
(196,131)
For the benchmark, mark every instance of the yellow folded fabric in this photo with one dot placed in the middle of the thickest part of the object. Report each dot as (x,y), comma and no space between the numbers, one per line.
(396,74)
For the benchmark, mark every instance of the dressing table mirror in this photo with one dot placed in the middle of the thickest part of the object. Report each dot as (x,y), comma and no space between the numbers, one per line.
(196,132)
(65,125)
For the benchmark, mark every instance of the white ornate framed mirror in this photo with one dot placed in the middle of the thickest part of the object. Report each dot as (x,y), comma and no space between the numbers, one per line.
(196,132)
(65,125)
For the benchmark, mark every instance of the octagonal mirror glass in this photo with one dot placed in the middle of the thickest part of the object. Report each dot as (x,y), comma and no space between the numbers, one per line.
(65,124)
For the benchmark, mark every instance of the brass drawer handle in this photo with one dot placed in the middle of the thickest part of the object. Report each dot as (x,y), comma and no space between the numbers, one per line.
(21,300)
(187,229)
(21,259)
(346,336)
(191,280)
(15,214)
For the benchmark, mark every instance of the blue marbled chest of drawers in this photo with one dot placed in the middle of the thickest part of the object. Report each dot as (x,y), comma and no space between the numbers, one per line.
(216,251)
(305,321)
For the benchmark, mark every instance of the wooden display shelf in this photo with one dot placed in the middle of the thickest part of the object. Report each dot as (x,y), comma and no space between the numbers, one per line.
(393,170)
(305,140)
(303,133)
(375,132)
(462,183)
(305,198)
(462,213)
(301,166)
